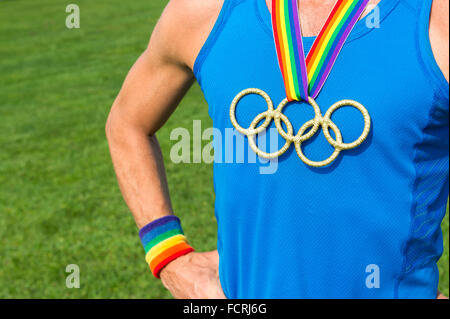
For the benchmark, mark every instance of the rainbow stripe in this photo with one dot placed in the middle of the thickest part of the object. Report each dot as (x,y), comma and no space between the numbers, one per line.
(303,78)
(163,241)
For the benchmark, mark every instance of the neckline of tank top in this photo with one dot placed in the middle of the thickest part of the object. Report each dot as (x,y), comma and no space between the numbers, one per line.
(385,7)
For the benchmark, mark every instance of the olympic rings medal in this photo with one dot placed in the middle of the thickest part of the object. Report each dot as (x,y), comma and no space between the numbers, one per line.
(314,124)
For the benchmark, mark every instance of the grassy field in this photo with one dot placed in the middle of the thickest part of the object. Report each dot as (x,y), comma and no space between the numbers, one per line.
(59,200)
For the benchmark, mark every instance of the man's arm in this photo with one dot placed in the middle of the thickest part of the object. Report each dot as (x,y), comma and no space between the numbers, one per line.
(439,38)
(439,34)
(152,89)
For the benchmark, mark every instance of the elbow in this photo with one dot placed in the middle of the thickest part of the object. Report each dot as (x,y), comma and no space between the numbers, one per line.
(119,131)
(120,128)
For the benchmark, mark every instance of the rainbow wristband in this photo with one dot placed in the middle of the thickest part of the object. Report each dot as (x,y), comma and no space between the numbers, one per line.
(163,241)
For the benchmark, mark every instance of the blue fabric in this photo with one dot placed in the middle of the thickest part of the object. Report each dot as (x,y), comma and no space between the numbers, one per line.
(306,232)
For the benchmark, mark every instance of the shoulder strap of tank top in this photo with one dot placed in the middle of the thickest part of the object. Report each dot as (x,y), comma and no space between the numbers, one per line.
(225,11)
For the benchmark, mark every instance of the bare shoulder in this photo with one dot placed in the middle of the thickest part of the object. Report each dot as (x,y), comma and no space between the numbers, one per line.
(183,28)
(439,34)
(440,11)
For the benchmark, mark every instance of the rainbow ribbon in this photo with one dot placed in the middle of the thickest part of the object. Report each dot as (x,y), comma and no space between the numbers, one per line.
(304,78)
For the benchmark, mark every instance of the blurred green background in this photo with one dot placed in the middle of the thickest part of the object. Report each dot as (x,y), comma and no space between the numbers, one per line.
(59,200)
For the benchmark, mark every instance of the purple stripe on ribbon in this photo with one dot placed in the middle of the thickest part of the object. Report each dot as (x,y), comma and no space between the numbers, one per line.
(301,52)
(338,49)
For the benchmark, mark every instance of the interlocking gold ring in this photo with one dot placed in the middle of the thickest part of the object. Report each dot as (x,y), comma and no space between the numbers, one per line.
(314,125)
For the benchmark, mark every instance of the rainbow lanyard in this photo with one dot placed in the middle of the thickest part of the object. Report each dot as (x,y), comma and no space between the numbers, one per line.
(305,78)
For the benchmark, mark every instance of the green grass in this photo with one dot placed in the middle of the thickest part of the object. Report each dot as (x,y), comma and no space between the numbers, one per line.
(59,200)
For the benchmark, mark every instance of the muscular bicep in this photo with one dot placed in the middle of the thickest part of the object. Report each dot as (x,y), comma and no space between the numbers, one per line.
(163,73)
(157,81)
(151,91)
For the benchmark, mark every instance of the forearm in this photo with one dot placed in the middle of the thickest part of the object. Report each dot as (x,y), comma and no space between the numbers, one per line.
(139,167)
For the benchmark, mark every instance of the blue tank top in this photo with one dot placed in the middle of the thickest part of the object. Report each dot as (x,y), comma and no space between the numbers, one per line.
(368,225)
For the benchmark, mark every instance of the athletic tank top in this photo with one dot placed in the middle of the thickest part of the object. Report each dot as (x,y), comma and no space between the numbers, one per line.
(368,225)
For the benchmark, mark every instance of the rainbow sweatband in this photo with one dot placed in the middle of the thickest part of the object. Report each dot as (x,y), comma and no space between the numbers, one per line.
(163,241)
